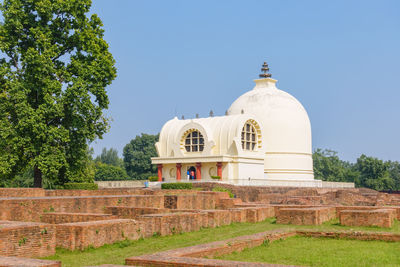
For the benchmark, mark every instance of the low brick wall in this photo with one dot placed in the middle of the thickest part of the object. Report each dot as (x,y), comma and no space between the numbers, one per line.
(193,201)
(218,217)
(228,203)
(251,214)
(340,208)
(82,235)
(57,218)
(366,236)
(30,209)
(27,239)
(172,223)
(99,192)
(305,216)
(133,212)
(24,262)
(379,217)
(26,192)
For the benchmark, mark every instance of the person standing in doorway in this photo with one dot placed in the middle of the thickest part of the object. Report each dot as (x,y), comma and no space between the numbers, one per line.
(188,174)
(192,175)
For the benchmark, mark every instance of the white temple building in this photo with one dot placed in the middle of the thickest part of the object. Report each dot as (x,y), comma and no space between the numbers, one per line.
(264,139)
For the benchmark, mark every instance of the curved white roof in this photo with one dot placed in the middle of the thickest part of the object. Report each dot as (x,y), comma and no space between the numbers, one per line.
(286,126)
(220,134)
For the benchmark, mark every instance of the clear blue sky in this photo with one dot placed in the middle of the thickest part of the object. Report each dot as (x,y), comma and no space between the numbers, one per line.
(340,59)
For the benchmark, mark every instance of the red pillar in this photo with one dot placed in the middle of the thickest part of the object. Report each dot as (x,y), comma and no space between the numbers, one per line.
(219,169)
(198,171)
(178,171)
(159,172)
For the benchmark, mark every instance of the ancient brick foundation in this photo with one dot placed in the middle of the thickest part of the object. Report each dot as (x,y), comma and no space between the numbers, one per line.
(77,219)
(27,239)
(378,217)
(305,216)
(96,233)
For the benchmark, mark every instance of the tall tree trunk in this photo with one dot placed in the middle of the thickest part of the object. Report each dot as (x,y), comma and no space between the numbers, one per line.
(37,177)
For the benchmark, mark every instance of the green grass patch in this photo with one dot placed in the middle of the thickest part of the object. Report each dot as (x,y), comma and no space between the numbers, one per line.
(309,251)
(176,186)
(118,252)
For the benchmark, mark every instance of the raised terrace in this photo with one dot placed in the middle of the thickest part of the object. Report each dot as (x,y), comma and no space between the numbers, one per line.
(34,222)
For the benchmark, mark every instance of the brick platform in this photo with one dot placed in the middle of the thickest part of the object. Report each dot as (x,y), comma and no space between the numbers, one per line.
(82,235)
(305,216)
(26,262)
(57,218)
(378,217)
(27,239)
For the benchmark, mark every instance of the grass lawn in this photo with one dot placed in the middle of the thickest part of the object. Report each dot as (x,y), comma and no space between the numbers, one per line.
(116,253)
(309,251)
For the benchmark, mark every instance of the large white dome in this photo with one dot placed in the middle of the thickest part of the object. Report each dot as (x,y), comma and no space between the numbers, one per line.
(286,130)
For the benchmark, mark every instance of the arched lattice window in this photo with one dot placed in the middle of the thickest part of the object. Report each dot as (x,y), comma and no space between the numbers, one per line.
(249,137)
(194,142)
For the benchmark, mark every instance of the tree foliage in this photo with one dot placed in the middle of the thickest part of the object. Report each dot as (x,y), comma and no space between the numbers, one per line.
(110,157)
(367,171)
(107,172)
(54,69)
(137,156)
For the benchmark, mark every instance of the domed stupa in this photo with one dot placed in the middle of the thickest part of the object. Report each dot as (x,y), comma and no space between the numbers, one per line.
(286,129)
(263,139)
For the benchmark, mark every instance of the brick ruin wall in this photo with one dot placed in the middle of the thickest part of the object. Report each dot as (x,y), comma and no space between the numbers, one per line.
(80,217)
(30,209)
(27,239)
(375,217)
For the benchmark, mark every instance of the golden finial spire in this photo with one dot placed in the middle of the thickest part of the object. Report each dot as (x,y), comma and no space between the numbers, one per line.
(265,69)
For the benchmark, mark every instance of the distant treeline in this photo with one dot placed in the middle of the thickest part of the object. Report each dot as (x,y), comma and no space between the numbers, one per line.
(367,171)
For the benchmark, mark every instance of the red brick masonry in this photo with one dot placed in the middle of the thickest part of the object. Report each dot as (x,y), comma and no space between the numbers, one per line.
(378,217)
(81,235)
(305,216)
(27,239)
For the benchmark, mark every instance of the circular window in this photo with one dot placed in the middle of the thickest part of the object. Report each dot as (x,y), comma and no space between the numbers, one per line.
(194,142)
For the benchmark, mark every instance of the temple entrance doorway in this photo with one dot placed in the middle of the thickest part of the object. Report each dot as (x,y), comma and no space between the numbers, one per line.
(191,171)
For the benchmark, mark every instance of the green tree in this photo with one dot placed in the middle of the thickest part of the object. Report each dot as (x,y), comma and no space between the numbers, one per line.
(137,154)
(374,173)
(110,157)
(329,167)
(107,172)
(53,74)
(394,171)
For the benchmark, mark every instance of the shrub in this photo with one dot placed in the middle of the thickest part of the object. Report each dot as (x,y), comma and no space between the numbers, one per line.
(153,178)
(85,186)
(216,177)
(106,172)
(177,186)
(222,189)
